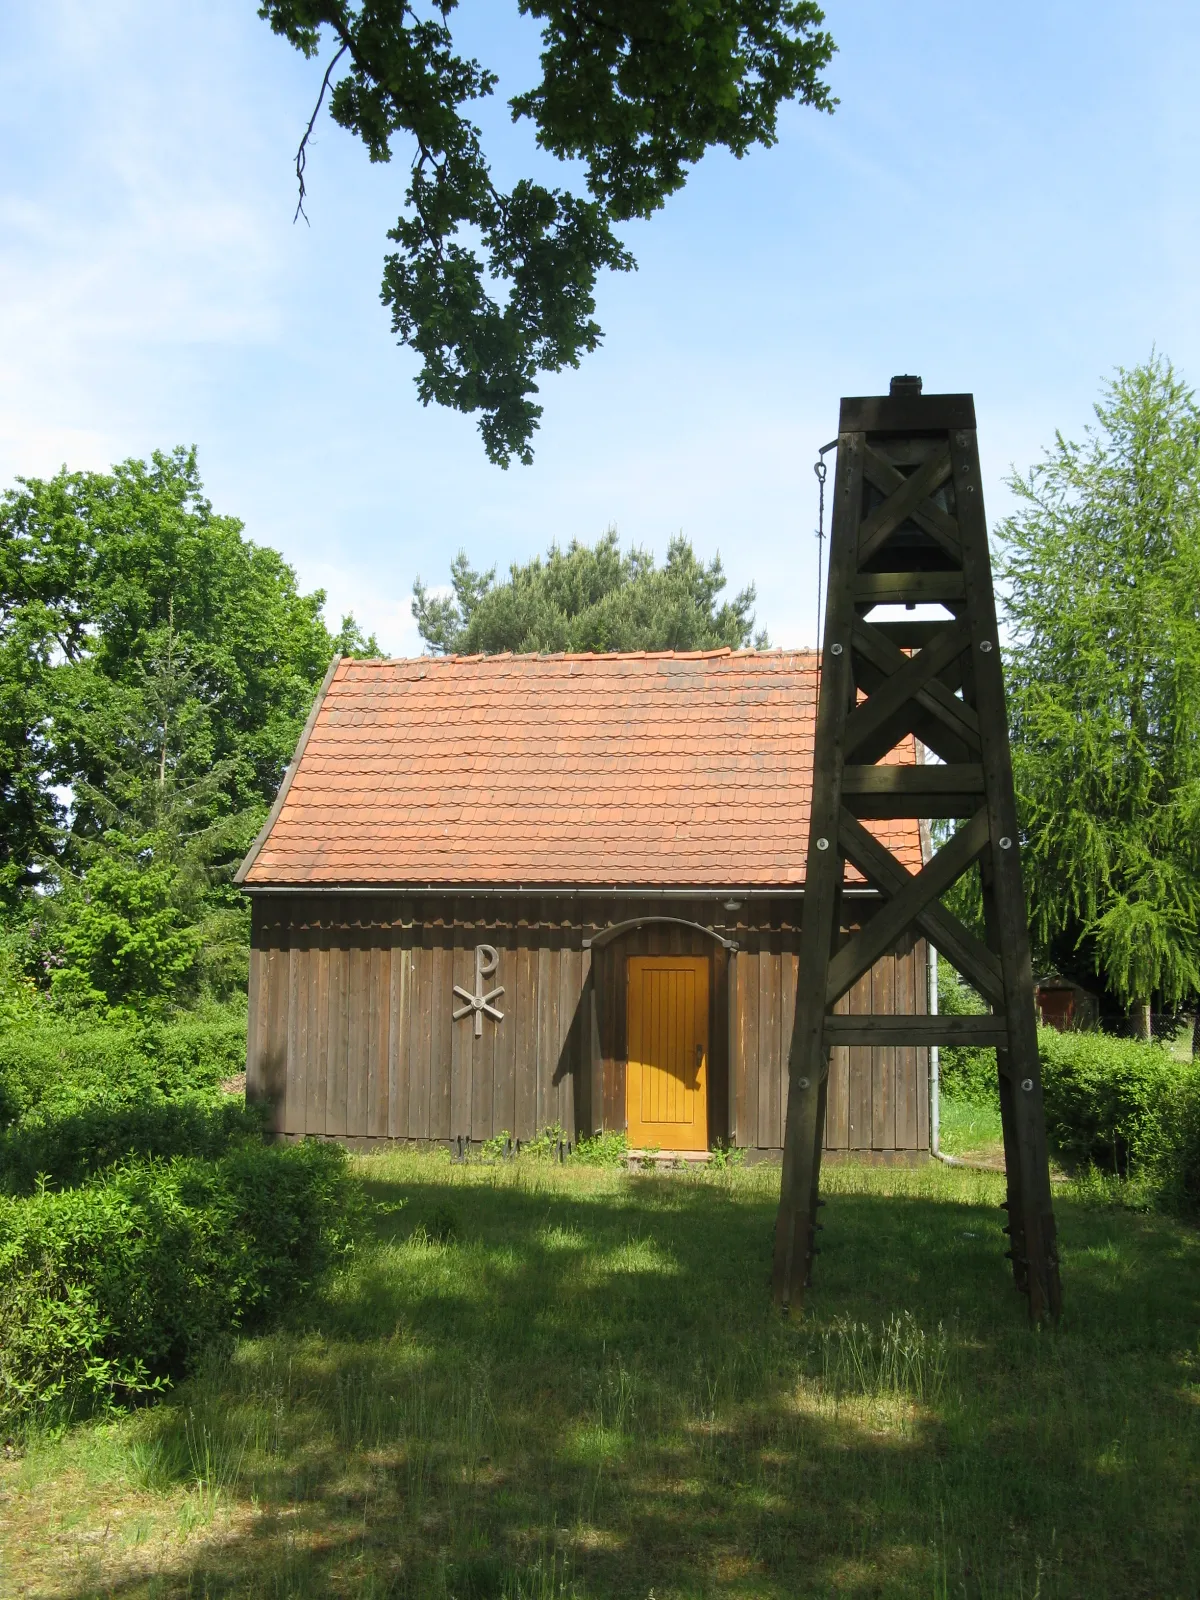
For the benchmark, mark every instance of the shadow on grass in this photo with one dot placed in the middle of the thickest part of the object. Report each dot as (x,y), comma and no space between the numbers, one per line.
(524,1361)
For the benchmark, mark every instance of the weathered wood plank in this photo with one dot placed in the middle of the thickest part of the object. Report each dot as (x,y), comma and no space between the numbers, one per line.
(908,588)
(905,905)
(751,1044)
(571,1034)
(883,1059)
(296,1090)
(318,1078)
(399,1056)
(1030,1213)
(879,1029)
(358,1034)
(421,1035)
(440,1041)
(789,967)
(906,499)
(527,1001)
(547,1028)
(807,1066)
(837,1104)
(770,1068)
(904,683)
(858,1058)
(957,943)
(379,1011)
(339,1025)
(504,1098)
(905,1000)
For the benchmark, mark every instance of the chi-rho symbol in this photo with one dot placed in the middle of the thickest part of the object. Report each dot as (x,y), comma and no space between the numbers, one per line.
(487,959)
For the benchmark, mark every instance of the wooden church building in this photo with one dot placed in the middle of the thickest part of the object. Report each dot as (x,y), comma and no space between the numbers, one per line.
(501,893)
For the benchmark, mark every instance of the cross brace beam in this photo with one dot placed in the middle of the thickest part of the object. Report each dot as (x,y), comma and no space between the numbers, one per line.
(908,529)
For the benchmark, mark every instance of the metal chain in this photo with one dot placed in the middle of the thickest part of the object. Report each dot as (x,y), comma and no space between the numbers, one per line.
(821,469)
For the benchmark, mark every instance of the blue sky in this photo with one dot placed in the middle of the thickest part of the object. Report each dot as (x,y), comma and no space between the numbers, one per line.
(1005,201)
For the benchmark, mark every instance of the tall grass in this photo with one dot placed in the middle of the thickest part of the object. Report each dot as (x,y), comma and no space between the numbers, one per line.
(580,1389)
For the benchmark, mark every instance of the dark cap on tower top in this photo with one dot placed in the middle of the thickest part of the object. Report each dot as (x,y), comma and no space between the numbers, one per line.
(905,385)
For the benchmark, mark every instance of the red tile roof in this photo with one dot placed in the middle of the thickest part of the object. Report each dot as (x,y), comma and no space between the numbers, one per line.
(629,771)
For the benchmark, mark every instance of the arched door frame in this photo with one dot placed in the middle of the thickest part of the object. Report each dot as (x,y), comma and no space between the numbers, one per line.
(607,936)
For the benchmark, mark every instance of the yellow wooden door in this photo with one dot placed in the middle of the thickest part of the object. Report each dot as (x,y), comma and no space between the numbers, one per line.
(666,1084)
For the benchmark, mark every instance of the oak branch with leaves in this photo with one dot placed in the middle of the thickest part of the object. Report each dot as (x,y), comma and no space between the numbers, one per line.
(492,288)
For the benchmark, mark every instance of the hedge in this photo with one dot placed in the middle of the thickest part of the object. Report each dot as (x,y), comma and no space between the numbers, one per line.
(115,1287)
(52,1066)
(1126,1107)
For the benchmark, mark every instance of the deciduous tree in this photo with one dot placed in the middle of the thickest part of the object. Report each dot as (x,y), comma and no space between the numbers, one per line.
(491,288)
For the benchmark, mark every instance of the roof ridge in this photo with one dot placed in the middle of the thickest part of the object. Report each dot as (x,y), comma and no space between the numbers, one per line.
(775,652)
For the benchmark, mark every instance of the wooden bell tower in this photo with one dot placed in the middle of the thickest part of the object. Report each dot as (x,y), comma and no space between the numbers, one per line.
(908,529)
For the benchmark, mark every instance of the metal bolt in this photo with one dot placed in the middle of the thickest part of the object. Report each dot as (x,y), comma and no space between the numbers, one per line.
(1006,843)
(1027,1084)
(835,649)
(822,844)
(986,646)
(802,1083)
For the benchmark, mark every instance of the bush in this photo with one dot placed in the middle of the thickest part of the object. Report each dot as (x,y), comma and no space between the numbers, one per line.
(1125,1107)
(57,1066)
(966,1072)
(62,1148)
(116,1287)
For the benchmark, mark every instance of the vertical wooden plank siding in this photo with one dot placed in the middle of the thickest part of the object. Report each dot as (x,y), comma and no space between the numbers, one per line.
(358,972)
(570,1033)
(318,1033)
(837,1107)
(750,1042)
(733,1037)
(525,1074)
(420,1026)
(379,1087)
(350,1032)
(905,1070)
(339,1027)
(883,1060)
(769,1053)
(592,1118)
(547,1027)
(921,964)
(859,1073)
(297,1029)
(400,962)
(504,1087)
(461,1034)
(790,967)
(441,1041)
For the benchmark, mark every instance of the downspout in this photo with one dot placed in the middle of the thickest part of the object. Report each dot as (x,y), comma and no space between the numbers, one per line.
(935,1083)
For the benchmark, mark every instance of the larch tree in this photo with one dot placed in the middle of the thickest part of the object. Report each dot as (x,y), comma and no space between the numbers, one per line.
(491,288)
(1101,567)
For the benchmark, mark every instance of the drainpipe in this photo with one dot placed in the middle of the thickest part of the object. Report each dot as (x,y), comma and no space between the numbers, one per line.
(935,1083)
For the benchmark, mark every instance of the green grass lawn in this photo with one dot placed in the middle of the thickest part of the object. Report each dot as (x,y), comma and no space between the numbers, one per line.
(971,1130)
(543,1381)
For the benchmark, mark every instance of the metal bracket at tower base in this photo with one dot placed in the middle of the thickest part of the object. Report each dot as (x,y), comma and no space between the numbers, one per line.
(908,528)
